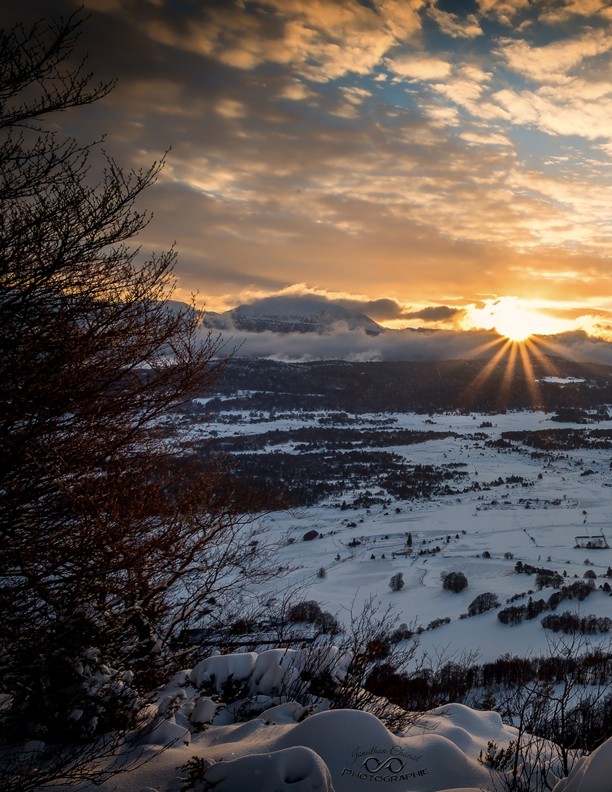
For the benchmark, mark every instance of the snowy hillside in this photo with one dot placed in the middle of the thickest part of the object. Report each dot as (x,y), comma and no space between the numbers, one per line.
(246,721)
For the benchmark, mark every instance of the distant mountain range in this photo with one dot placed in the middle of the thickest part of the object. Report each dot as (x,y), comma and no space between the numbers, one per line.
(292,314)
(309,327)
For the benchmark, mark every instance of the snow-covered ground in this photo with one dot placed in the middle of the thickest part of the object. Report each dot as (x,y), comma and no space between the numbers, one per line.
(482,533)
(536,524)
(280,750)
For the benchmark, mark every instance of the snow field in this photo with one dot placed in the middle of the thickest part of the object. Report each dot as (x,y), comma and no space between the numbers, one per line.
(536,524)
(347,750)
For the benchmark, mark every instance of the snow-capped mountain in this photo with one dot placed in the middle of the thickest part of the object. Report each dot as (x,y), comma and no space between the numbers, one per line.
(292,314)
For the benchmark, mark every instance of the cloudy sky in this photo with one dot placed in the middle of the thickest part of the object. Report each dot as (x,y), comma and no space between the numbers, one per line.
(420,159)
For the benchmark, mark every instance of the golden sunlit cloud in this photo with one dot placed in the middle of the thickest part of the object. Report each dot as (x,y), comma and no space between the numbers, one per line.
(514,319)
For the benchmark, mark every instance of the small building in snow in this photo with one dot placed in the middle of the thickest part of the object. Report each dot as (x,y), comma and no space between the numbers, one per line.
(597,542)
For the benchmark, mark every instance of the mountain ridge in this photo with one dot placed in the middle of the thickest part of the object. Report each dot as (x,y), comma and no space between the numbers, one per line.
(292,314)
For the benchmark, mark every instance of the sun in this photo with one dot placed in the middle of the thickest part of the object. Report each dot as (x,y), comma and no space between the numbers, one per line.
(513,319)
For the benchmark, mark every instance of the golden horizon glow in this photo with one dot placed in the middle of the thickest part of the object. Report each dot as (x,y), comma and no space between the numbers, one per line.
(424,159)
(514,319)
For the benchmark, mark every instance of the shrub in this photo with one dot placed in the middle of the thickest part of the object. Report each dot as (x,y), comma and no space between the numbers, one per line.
(483,602)
(401,633)
(512,615)
(571,623)
(435,623)
(307,611)
(328,624)
(454,581)
(548,578)
(397,582)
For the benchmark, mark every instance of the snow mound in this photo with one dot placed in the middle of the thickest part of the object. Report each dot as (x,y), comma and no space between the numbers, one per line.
(355,748)
(590,773)
(248,745)
(298,768)
(267,673)
(220,668)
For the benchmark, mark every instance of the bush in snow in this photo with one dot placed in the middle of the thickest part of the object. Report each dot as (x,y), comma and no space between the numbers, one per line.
(322,674)
(571,623)
(307,611)
(397,582)
(454,581)
(483,602)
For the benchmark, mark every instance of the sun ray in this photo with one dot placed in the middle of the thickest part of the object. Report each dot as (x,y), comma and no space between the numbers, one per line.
(557,350)
(516,359)
(486,372)
(480,350)
(532,385)
(536,347)
(509,372)
(531,357)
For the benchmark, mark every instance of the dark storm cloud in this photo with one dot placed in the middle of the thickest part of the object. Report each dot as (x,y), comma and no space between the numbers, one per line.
(387,309)
(435,313)
(378,310)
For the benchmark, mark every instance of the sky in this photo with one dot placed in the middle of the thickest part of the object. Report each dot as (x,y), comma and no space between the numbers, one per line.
(435,163)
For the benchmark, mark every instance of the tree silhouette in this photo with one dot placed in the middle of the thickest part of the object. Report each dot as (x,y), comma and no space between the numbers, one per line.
(113,542)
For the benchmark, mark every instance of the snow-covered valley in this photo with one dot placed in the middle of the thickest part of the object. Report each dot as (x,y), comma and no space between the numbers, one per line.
(521,508)
(530,506)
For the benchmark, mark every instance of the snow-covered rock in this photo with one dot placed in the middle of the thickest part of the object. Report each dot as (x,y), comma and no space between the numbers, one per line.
(166,733)
(358,749)
(283,746)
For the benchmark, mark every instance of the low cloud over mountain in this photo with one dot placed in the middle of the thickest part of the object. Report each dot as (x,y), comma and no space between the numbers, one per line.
(310,327)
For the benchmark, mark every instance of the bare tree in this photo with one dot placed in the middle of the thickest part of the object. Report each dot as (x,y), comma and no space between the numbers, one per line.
(350,671)
(554,719)
(113,542)
(526,763)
